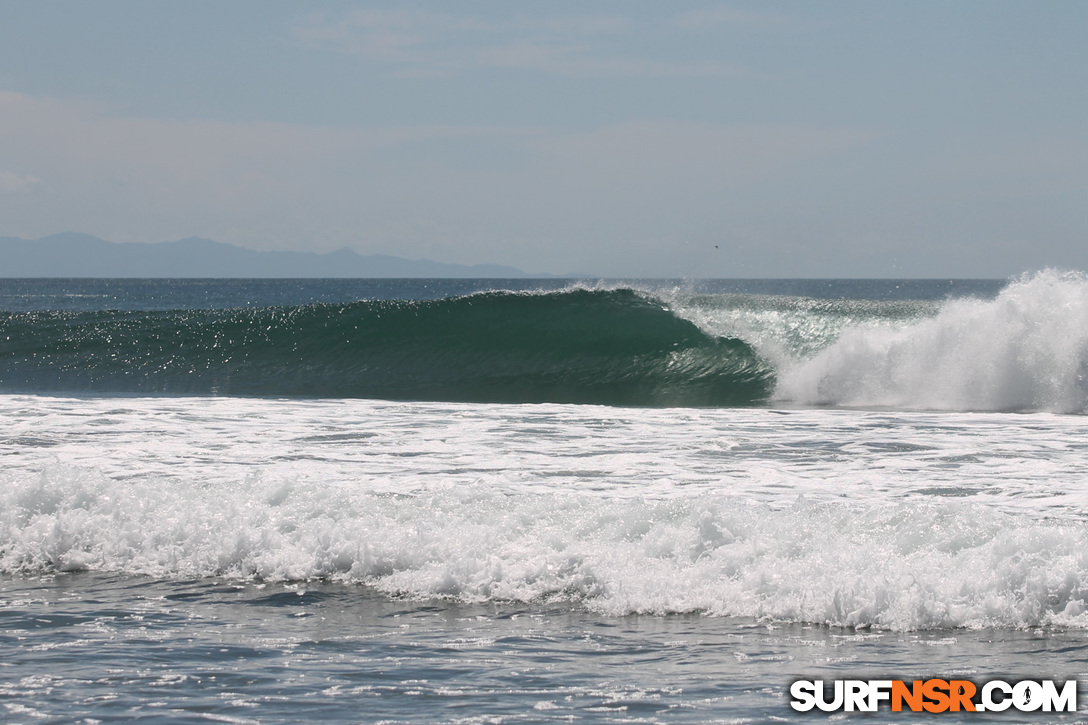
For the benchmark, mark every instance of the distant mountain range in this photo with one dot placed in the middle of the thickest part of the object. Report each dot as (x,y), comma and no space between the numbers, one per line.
(81,255)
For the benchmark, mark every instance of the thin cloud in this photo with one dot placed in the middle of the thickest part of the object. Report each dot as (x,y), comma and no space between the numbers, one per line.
(719,16)
(418,44)
(716,18)
(563,25)
(12,183)
(576,61)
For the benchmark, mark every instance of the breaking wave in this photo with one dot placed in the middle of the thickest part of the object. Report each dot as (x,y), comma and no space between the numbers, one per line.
(1026,350)
(575,346)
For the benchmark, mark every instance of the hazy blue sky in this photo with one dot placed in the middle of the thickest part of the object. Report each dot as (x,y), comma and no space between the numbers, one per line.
(615,138)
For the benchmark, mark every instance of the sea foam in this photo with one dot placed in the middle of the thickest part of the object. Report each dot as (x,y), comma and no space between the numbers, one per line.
(1026,350)
(898,566)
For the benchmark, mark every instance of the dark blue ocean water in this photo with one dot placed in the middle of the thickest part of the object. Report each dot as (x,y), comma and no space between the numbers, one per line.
(19,295)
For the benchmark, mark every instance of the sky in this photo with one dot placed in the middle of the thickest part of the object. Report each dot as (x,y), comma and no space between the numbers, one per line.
(620,139)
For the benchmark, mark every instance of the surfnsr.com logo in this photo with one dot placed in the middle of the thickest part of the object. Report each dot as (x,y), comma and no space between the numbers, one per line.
(933,695)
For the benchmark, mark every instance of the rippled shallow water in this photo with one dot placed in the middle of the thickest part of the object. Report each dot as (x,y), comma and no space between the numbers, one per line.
(93,647)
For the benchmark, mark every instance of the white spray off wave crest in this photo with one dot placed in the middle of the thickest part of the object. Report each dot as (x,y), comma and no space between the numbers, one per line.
(1026,350)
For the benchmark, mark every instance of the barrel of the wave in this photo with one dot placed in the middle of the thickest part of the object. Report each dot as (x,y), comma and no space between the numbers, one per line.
(613,347)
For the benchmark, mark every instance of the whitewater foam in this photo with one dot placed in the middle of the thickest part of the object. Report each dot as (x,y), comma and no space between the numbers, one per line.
(897,566)
(899,521)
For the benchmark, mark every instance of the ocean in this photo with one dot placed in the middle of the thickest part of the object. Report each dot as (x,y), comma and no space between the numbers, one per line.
(536,501)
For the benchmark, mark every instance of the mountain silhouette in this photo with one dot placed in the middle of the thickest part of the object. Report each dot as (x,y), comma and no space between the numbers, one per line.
(72,254)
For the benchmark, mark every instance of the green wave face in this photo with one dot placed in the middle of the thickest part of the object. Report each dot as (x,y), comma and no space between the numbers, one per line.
(580,346)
